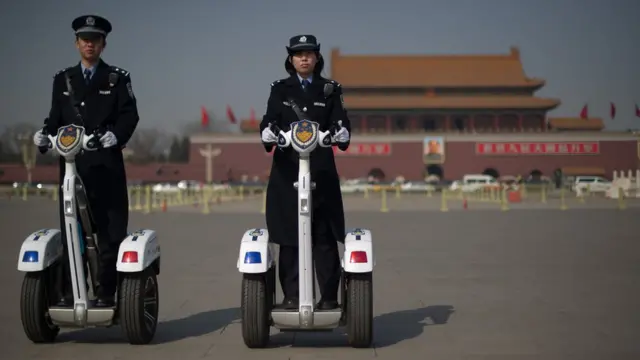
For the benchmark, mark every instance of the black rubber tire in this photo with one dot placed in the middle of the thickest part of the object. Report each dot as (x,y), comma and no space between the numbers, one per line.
(359,309)
(255,310)
(139,325)
(34,308)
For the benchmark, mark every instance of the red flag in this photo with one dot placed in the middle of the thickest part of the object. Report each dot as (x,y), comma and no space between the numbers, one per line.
(584,114)
(637,111)
(205,117)
(612,111)
(232,118)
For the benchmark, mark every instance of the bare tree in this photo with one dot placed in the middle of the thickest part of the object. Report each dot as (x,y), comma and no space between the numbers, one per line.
(148,145)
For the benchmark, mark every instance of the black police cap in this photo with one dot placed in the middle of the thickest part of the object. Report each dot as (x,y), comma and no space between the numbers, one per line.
(303,43)
(91,25)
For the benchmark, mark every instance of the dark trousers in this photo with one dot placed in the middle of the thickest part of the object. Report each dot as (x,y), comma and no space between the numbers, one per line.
(109,204)
(325,257)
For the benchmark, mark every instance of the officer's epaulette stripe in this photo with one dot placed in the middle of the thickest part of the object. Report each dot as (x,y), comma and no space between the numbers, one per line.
(120,70)
(335,83)
(277,82)
(61,71)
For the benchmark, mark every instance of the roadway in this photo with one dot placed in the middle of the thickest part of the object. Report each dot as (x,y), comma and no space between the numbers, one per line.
(527,284)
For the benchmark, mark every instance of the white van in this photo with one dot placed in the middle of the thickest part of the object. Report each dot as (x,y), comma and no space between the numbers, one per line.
(474,182)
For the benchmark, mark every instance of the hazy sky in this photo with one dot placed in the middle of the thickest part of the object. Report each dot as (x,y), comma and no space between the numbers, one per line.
(215,53)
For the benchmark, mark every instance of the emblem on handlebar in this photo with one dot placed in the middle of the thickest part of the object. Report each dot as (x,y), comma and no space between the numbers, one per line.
(69,137)
(304,133)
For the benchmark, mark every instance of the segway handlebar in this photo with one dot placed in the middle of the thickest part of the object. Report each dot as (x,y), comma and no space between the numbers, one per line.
(90,142)
(325,138)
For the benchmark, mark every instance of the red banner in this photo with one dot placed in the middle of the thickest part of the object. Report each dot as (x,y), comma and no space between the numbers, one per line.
(538,148)
(374,149)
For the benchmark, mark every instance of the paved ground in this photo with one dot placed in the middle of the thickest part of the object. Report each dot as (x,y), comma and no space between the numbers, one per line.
(458,285)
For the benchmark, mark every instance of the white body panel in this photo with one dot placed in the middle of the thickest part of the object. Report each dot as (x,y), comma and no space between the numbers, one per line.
(39,250)
(143,242)
(255,241)
(358,240)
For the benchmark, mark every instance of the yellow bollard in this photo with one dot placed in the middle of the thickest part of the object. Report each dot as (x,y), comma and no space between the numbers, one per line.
(543,194)
(621,203)
(563,202)
(55,194)
(429,192)
(206,197)
(264,201)
(241,192)
(503,201)
(366,193)
(443,204)
(383,207)
(147,208)
(580,193)
(523,191)
(398,192)
(24,192)
(138,190)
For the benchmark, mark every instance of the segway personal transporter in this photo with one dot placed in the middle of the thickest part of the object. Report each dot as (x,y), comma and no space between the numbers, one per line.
(256,263)
(40,257)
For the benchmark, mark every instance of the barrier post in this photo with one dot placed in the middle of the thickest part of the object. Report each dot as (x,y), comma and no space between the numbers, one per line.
(503,200)
(543,194)
(563,202)
(366,193)
(383,206)
(24,192)
(443,204)
(206,197)
(621,204)
(147,209)
(264,201)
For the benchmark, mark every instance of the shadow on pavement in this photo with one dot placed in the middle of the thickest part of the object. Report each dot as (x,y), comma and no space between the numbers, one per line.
(196,325)
(388,329)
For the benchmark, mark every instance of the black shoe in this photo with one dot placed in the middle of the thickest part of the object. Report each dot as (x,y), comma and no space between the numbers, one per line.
(327,305)
(105,302)
(66,301)
(290,304)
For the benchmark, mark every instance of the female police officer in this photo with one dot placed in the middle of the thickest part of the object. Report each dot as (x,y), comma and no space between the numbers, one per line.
(306,87)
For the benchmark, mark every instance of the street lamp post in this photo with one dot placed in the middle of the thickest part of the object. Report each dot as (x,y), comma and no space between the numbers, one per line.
(28,152)
(209,154)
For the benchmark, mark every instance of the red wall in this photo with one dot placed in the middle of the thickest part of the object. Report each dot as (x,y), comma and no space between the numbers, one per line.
(405,159)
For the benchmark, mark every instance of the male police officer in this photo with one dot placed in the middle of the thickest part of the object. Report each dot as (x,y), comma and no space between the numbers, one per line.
(321,100)
(100,97)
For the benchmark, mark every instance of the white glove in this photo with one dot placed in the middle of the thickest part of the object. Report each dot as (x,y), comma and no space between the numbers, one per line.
(108,140)
(40,139)
(268,136)
(342,136)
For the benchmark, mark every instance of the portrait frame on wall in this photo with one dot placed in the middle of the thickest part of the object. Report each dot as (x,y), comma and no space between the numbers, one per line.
(433,150)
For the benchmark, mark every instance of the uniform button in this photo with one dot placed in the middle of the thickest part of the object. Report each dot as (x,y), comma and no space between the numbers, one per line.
(304,109)
(82,103)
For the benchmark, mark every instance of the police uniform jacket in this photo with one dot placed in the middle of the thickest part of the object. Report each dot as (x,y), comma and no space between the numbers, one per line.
(107,102)
(282,207)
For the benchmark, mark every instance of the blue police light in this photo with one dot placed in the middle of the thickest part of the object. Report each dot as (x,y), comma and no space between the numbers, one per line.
(30,256)
(252,257)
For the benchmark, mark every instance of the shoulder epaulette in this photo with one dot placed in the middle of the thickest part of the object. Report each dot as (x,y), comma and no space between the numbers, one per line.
(61,71)
(121,71)
(277,82)
(337,84)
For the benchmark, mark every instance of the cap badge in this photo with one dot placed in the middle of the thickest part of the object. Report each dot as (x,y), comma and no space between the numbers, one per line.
(303,39)
(90,21)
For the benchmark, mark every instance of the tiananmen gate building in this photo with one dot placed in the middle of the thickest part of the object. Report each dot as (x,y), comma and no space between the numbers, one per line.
(446,115)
